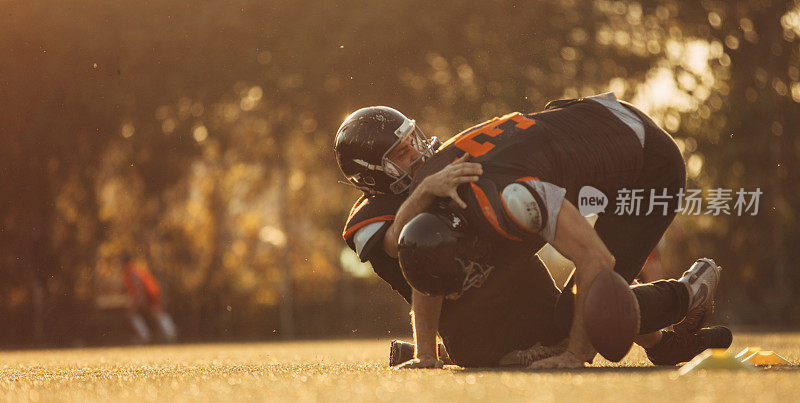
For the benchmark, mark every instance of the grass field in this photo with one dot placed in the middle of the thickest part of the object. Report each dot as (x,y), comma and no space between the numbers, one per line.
(356,371)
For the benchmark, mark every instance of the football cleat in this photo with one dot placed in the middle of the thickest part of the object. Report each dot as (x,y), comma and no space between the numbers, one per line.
(400,352)
(524,358)
(701,281)
(675,348)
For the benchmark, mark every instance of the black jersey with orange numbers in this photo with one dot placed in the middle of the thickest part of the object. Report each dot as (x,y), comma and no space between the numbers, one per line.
(572,144)
(581,143)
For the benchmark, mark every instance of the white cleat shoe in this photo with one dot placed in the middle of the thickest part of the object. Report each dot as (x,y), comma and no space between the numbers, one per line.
(701,281)
(524,358)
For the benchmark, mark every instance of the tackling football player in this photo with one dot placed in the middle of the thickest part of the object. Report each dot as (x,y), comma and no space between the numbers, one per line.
(597,142)
(513,308)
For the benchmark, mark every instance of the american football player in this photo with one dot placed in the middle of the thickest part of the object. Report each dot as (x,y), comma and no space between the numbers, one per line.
(486,323)
(441,254)
(537,164)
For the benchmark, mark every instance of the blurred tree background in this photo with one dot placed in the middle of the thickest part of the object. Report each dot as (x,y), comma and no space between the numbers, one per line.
(198,136)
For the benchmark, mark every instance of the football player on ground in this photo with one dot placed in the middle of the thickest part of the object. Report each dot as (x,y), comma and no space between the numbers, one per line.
(598,142)
(441,254)
(509,311)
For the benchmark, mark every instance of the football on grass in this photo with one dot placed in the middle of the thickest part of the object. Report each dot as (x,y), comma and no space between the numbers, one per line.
(611,315)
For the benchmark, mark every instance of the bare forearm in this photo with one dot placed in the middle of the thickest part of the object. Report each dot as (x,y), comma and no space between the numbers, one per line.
(441,184)
(425,319)
(579,242)
(586,269)
(416,203)
(579,343)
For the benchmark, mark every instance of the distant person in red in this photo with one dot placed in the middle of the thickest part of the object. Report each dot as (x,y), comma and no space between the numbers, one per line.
(145,295)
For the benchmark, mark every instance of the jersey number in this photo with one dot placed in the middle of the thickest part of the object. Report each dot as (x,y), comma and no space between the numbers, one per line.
(466,140)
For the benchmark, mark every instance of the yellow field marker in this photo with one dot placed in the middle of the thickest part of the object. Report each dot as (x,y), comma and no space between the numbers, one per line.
(756,356)
(713,359)
(766,358)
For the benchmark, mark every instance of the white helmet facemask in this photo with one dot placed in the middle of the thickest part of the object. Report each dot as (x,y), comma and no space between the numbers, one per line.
(426,148)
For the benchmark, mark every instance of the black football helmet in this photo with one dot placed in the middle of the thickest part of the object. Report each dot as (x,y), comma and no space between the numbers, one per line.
(436,251)
(365,139)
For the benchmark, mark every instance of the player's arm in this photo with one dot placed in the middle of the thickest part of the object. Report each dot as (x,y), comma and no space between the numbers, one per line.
(416,203)
(441,184)
(578,242)
(539,207)
(425,320)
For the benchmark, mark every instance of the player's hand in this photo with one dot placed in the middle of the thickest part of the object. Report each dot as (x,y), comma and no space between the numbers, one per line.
(445,182)
(423,362)
(565,360)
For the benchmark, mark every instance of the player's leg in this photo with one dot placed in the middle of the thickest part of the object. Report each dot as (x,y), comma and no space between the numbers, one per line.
(688,338)
(665,302)
(632,237)
(168,329)
(546,339)
(661,303)
(669,347)
(140,327)
(675,348)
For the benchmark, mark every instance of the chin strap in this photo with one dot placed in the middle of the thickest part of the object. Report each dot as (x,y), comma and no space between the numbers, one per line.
(368,191)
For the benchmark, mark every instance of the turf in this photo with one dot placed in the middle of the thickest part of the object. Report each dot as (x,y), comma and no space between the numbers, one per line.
(356,371)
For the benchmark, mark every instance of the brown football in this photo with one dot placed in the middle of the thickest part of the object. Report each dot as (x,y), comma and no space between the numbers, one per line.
(611,315)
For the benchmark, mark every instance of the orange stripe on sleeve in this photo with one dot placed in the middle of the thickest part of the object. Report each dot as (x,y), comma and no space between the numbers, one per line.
(489,213)
(352,230)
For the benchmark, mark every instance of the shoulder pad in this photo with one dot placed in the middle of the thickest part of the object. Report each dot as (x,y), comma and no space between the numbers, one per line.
(548,197)
(523,207)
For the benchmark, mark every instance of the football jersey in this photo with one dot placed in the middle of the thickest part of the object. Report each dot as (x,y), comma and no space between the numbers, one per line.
(553,154)
(571,144)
